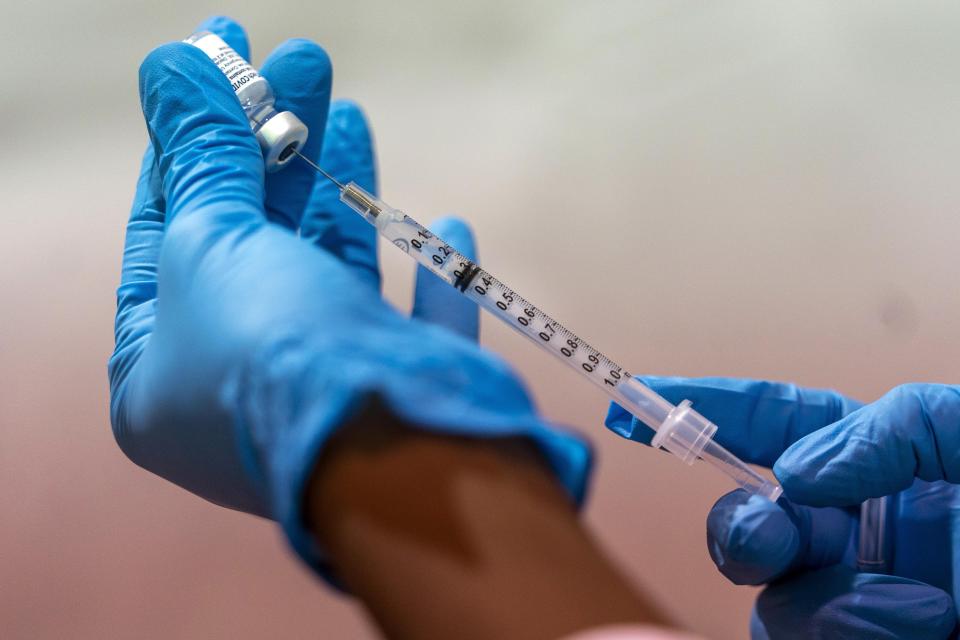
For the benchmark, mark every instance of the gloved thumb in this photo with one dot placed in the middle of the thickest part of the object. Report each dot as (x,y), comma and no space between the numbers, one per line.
(755,541)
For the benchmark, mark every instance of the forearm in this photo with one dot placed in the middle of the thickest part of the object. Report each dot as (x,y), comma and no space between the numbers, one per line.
(446,537)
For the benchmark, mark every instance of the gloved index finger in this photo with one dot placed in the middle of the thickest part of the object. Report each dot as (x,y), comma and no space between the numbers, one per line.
(205,151)
(756,420)
(230,31)
(348,155)
(300,73)
(912,432)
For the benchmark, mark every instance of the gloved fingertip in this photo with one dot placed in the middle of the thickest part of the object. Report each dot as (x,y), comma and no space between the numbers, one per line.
(348,145)
(616,416)
(230,31)
(750,539)
(795,484)
(301,76)
(813,472)
(305,51)
(457,233)
(348,120)
(877,450)
(625,425)
(299,68)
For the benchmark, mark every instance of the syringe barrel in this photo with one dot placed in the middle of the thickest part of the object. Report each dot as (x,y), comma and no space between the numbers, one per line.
(641,401)
(279,133)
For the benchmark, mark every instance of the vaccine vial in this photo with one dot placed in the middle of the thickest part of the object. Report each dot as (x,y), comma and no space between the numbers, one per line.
(279,133)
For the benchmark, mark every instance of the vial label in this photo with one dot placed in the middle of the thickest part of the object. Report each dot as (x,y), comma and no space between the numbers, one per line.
(238,71)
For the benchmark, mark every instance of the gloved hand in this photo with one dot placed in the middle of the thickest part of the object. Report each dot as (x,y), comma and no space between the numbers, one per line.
(241,347)
(830,453)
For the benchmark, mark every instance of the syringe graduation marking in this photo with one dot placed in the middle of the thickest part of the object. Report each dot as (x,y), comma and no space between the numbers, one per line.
(466,277)
(541,327)
(493,295)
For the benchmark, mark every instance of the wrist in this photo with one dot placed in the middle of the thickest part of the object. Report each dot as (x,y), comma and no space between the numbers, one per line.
(445,536)
(300,389)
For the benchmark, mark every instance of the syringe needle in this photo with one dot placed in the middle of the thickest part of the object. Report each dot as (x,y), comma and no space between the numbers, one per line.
(317,167)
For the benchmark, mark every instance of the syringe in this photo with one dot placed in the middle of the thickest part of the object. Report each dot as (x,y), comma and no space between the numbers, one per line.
(679,429)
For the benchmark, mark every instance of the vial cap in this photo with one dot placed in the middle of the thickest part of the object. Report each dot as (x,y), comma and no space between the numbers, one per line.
(279,137)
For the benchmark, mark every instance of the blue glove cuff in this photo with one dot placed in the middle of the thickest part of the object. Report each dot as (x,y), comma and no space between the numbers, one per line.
(293,396)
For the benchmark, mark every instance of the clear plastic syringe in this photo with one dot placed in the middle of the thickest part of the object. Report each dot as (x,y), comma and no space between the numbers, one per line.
(679,429)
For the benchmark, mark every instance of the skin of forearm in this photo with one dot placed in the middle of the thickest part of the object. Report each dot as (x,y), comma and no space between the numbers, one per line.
(448,537)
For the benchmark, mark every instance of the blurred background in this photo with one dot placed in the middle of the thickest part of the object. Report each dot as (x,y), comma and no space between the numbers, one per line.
(699,188)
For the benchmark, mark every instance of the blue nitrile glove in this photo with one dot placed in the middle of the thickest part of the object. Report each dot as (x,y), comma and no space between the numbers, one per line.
(241,347)
(835,454)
